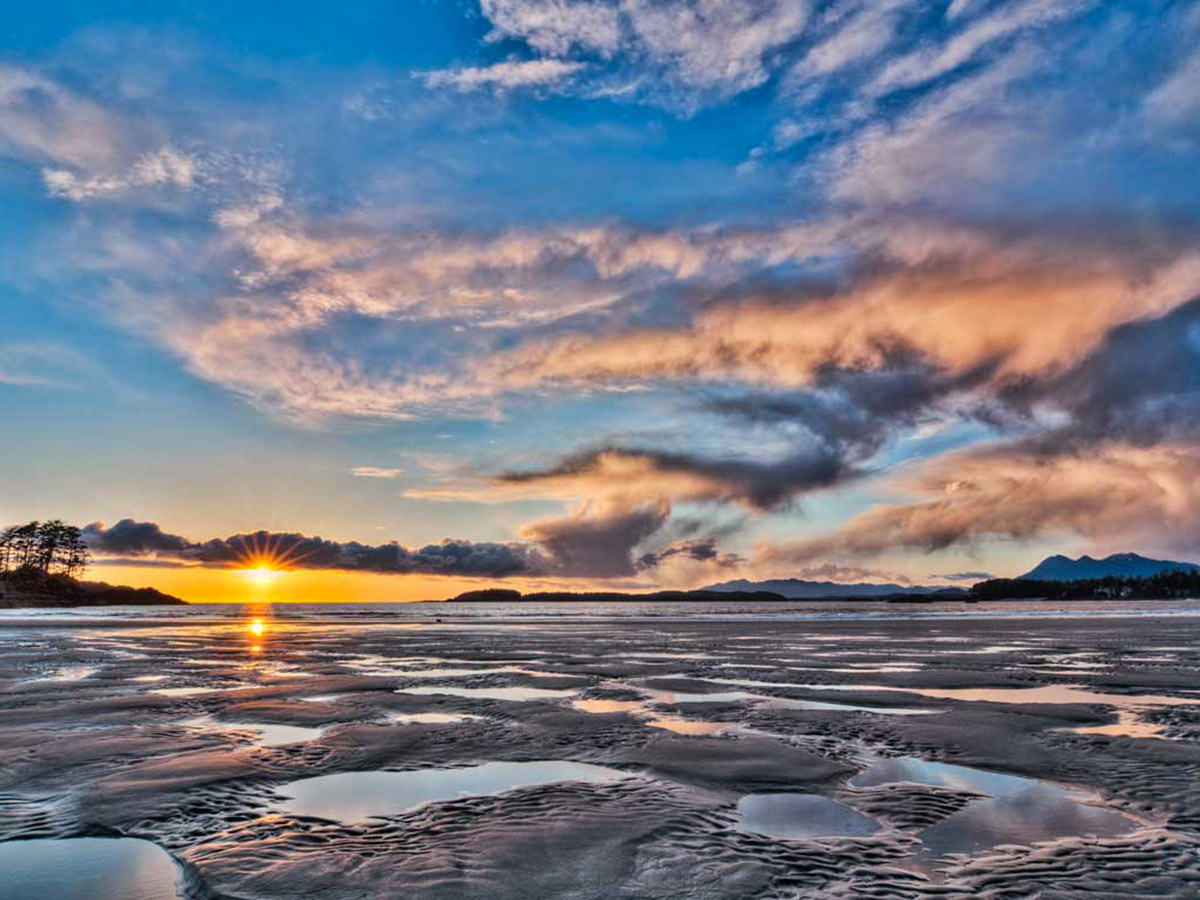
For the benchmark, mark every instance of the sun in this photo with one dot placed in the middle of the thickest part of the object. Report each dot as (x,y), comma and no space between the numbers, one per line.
(262,576)
(263,558)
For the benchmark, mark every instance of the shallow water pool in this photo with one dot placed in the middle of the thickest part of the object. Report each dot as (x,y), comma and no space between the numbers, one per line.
(354,796)
(801,816)
(1015,810)
(88,869)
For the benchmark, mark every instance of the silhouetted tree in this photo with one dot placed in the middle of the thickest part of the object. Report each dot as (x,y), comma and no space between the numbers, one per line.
(76,555)
(46,547)
(21,542)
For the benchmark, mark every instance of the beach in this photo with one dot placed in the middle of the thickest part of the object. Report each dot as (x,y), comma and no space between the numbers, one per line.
(257,753)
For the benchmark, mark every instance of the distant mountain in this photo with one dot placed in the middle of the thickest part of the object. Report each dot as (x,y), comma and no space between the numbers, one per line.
(799,589)
(1121,565)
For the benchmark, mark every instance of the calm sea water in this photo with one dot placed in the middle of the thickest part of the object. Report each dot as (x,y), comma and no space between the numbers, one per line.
(584,610)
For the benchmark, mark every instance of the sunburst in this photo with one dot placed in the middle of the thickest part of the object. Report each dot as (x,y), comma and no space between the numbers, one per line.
(263,556)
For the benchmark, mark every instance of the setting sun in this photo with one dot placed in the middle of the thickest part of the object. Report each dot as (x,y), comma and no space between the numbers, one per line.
(262,576)
(265,557)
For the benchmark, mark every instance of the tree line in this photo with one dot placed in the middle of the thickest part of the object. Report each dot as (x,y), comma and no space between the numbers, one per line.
(49,548)
(1166,585)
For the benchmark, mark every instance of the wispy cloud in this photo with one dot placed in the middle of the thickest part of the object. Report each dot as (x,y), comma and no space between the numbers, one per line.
(374,472)
(503,76)
(45,122)
(164,167)
(964,576)
(48,364)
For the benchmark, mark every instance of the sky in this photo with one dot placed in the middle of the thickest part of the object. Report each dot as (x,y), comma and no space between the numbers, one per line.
(411,298)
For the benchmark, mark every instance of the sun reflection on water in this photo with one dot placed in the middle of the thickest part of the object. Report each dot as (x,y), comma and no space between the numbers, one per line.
(257,628)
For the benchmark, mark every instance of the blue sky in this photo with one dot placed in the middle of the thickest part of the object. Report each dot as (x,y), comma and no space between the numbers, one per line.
(617,291)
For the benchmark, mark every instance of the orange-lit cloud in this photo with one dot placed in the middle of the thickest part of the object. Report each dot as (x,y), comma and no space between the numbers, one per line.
(1140,495)
(1033,309)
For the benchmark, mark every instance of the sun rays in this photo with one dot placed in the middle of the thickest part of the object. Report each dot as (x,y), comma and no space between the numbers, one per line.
(264,557)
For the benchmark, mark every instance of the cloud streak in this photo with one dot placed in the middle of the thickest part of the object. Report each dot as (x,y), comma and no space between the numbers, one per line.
(621,473)
(502,77)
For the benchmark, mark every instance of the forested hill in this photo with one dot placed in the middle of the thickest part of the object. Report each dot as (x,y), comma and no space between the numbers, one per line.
(1163,586)
(35,589)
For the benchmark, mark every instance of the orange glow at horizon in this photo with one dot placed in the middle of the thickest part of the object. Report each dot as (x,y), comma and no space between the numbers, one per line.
(201,584)
(261,575)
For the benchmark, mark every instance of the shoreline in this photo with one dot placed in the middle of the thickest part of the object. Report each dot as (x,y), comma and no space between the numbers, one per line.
(370,615)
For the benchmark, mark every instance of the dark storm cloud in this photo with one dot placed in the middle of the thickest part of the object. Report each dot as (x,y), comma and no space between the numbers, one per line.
(597,544)
(147,540)
(854,409)
(683,476)
(1140,385)
(130,538)
(593,544)
(699,550)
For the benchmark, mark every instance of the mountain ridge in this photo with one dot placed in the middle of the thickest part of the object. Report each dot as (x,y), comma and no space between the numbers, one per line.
(1120,565)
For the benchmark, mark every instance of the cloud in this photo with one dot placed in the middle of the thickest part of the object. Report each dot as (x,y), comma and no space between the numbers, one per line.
(374,472)
(161,168)
(598,540)
(504,76)
(42,121)
(134,539)
(955,301)
(138,562)
(47,364)
(272,308)
(1112,491)
(628,496)
(860,32)
(989,31)
(615,472)
(556,26)
(702,550)
(965,576)
(848,574)
(86,148)
(694,53)
(1140,385)
(1174,101)
(965,134)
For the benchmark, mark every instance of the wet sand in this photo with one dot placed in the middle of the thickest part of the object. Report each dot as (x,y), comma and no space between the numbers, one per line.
(916,758)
